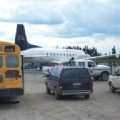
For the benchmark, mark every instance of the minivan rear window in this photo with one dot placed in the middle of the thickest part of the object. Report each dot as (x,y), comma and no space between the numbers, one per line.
(75,74)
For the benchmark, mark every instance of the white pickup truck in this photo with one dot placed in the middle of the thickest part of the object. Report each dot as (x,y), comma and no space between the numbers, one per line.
(96,71)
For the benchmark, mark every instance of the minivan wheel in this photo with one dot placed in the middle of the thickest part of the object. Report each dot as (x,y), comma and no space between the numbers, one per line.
(112,89)
(47,90)
(87,96)
(57,95)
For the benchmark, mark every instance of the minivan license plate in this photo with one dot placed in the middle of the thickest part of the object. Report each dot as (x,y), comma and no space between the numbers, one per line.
(76,83)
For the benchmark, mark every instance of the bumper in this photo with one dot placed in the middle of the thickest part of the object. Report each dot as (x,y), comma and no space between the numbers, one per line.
(71,92)
(11,92)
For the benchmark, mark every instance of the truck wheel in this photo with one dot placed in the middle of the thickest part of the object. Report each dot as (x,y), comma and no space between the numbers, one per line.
(104,76)
(87,96)
(47,90)
(112,89)
(57,95)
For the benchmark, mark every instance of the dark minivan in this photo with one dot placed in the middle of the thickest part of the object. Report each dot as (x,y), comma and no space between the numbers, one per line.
(69,81)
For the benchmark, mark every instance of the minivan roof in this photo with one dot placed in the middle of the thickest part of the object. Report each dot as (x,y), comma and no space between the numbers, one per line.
(68,67)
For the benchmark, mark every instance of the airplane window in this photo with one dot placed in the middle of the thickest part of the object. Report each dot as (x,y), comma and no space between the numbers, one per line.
(54,53)
(67,54)
(70,54)
(64,54)
(47,53)
(50,53)
(60,54)
(57,54)
(73,54)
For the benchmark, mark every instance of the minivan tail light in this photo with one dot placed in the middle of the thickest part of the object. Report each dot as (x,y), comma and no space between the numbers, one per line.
(60,85)
(91,84)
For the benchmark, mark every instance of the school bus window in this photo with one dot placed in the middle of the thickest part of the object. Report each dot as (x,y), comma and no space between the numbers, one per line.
(1,62)
(12,61)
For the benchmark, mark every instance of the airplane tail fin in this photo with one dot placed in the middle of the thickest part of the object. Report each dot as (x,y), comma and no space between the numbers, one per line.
(21,39)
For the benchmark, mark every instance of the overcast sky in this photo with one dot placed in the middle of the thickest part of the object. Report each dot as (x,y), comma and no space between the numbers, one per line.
(49,23)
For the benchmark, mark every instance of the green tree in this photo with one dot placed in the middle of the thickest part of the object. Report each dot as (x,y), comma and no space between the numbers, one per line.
(113,50)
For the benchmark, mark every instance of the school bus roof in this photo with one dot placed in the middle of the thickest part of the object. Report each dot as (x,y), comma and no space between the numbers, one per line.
(4,42)
(9,43)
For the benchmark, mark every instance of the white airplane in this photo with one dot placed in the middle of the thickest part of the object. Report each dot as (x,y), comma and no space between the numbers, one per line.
(33,53)
(50,55)
(46,55)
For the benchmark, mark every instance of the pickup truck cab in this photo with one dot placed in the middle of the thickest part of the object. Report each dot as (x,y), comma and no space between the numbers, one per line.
(69,81)
(96,71)
(114,81)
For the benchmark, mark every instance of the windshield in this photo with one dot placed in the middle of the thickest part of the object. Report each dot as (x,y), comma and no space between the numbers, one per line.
(74,74)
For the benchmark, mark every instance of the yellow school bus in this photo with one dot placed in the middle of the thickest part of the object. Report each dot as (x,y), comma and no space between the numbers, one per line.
(11,71)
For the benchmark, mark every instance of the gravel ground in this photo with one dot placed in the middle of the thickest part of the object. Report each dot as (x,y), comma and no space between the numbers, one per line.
(37,105)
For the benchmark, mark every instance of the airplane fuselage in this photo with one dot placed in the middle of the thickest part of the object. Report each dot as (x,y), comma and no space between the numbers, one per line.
(46,55)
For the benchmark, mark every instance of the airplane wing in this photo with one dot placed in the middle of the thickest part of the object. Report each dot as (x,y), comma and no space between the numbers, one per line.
(102,56)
